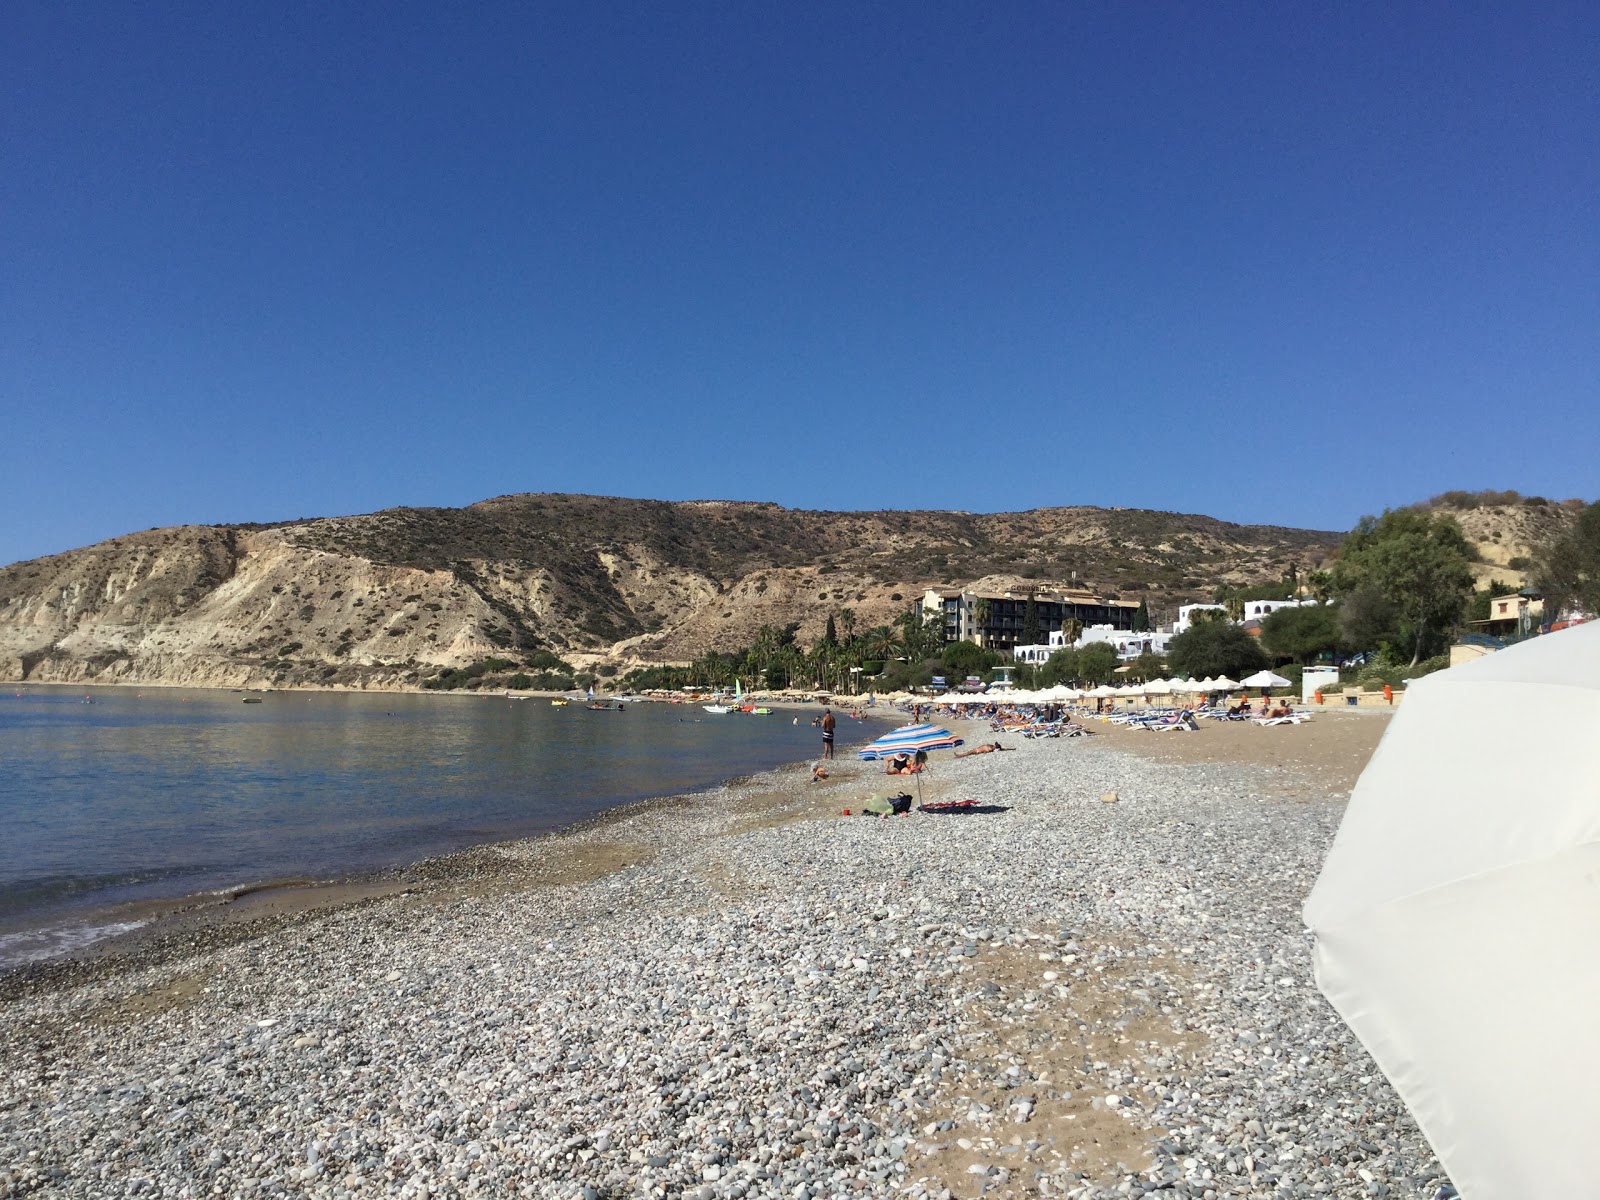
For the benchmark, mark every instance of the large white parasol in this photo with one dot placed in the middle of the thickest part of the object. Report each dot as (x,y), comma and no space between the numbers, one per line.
(1264,679)
(1458,915)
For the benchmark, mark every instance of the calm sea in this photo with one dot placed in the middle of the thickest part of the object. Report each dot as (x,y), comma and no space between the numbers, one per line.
(170,793)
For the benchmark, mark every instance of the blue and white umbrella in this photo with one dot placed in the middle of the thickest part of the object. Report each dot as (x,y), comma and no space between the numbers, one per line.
(908,739)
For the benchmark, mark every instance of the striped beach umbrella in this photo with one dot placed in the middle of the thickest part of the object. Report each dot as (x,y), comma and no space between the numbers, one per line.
(908,739)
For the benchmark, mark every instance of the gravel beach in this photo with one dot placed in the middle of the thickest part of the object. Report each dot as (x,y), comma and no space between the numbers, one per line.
(745,993)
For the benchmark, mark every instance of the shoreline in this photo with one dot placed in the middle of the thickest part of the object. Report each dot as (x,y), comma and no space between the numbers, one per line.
(142,925)
(744,994)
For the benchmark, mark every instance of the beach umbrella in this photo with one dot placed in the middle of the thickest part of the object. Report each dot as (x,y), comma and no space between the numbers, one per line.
(1159,687)
(1104,690)
(1458,912)
(1264,679)
(1223,684)
(908,739)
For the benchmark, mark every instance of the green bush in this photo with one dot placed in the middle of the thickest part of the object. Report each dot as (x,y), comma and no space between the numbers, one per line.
(519,681)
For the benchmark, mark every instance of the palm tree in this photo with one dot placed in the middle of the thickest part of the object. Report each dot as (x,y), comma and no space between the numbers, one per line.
(847,622)
(880,642)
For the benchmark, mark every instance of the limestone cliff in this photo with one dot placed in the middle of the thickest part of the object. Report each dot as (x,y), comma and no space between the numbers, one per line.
(382,598)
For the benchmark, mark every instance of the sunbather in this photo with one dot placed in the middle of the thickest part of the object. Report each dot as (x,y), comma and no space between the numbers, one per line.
(985,748)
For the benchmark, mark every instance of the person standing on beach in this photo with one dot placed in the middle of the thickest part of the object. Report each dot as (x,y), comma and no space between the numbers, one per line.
(827,732)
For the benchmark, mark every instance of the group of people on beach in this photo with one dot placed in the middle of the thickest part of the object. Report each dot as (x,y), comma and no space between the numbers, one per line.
(1242,709)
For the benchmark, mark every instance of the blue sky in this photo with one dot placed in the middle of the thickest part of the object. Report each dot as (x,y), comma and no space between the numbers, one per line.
(1277,263)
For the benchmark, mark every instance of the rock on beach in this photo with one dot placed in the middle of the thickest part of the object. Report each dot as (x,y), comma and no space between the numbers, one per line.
(1061,998)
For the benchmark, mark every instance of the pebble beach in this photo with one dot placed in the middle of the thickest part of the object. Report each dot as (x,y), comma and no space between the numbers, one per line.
(1094,984)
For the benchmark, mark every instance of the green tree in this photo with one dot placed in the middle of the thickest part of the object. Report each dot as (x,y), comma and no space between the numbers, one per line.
(1141,619)
(1097,662)
(847,622)
(1061,667)
(1478,607)
(830,636)
(1032,635)
(1212,648)
(920,637)
(1419,561)
(880,643)
(1303,634)
(1147,667)
(1568,567)
(1367,620)
(967,658)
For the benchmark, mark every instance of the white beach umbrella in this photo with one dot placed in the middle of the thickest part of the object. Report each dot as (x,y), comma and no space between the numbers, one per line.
(1223,684)
(1105,689)
(1158,687)
(1458,915)
(1264,679)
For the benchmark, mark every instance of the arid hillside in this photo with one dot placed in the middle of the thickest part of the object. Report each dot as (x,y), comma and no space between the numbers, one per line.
(1507,530)
(380,599)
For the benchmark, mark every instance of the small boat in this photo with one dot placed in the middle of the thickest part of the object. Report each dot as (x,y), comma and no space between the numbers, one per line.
(719,709)
(761,711)
(559,702)
(603,706)
(252,700)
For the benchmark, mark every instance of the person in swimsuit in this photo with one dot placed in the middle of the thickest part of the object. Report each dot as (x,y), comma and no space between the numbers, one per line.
(827,732)
(985,748)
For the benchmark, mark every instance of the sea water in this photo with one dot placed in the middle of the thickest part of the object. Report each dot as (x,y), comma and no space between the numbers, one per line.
(113,795)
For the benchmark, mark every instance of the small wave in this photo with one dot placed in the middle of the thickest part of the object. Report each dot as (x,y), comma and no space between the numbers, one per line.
(40,945)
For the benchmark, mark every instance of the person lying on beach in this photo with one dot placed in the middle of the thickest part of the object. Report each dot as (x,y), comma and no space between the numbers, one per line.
(1283,710)
(985,748)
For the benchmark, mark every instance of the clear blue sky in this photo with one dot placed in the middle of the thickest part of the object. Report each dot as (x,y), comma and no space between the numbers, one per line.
(272,261)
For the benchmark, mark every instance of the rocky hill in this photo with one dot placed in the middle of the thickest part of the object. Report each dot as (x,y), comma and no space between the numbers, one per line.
(384,598)
(1507,529)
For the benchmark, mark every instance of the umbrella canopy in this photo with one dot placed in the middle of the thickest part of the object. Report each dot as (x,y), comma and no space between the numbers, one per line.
(1105,689)
(1223,684)
(1158,687)
(1264,679)
(1059,693)
(1459,910)
(910,738)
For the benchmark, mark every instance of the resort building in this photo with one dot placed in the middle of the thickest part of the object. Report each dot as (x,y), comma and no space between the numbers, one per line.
(1259,610)
(1513,615)
(1186,614)
(1128,644)
(995,621)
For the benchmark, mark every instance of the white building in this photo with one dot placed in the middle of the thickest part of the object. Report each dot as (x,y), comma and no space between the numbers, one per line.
(1257,610)
(1185,617)
(1128,644)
